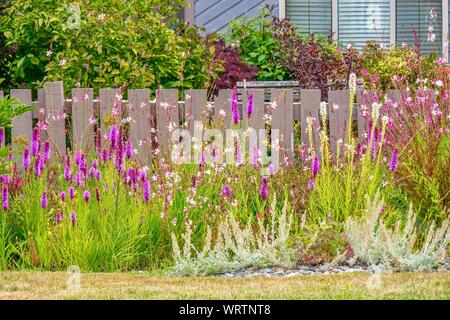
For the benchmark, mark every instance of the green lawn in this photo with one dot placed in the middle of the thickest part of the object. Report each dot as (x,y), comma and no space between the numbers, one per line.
(53,285)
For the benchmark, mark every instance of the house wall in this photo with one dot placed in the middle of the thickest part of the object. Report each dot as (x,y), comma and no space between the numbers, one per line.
(215,15)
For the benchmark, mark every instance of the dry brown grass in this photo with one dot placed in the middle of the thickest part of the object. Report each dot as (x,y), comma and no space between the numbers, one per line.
(52,285)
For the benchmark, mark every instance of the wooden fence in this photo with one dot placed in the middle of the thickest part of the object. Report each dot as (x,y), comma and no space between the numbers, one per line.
(157,115)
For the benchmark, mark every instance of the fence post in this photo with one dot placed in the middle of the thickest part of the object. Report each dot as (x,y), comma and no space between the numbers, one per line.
(140,129)
(108,102)
(195,108)
(338,106)
(54,105)
(223,102)
(22,126)
(82,111)
(167,117)
(283,119)
(309,107)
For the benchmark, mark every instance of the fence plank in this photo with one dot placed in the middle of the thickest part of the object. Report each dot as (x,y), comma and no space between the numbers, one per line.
(338,110)
(223,102)
(54,105)
(167,117)
(310,103)
(195,108)
(364,100)
(82,111)
(139,131)
(108,103)
(22,126)
(283,119)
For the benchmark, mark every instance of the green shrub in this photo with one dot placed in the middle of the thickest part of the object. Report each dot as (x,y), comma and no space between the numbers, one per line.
(104,44)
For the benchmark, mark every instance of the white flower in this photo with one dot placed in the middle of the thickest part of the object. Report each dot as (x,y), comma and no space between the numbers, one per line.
(62,62)
(49,53)
(101,16)
(222,113)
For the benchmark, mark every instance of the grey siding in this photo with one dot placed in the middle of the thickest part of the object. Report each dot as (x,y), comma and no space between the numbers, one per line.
(215,15)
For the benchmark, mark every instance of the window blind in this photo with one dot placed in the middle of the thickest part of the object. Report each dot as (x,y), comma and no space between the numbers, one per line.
(417,14)
(360,21)
(310,16)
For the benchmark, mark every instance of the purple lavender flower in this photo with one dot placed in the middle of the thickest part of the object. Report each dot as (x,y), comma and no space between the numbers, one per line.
(5,178)
(92,171)
(26,158)
(58,217)
(315,165)
(35,142)
(44,200)
(5,196)
(98,175)
(73,218)
(77,158)
(2,135)
(63,196)
(146,190)
(37,166)
(67,171)
(394,161)
(83,164)
(142,175)
(86,196)
(113,136)
(226,191)
(104,155)
(78,178)
(95,164)
(46,154)
(263,188)
(71,192)
(311,183)
(235,107)
(129,149)
(250,105)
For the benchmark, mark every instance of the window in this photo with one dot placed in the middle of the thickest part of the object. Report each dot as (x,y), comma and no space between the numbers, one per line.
(361,21)
(425,17)
(310,16)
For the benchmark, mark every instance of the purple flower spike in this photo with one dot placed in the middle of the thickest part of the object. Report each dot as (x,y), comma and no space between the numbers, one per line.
(250,105)
(37,166)
(73,218)
(58,217)
(35,142)
(146,190)
(311,183)
(71,192)
(113,137)
(394,161)
(98,174)
(5,196)
(63,196)
(26,158)
(97,194)
(235,107)
(263,188)
(86,196)
(44,200)
(226,191)
(2,135)
(129,149)
(315,165)
(46,155)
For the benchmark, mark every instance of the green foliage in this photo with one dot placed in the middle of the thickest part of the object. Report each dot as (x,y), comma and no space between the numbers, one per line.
(257,45)
(103,44)
(396,67)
